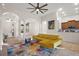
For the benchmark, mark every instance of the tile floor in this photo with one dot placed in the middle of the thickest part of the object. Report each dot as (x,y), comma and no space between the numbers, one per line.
(71,46)
(66,49)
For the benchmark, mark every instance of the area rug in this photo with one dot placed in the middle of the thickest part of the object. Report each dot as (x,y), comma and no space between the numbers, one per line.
(0,52)
(64,52)
(57,52)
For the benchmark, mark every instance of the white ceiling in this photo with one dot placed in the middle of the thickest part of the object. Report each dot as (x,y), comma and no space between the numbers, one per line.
(21,8)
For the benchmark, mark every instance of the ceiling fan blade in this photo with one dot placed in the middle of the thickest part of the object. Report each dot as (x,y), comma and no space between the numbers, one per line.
(30,8)
(38,5)
(33,10)
(41,11)
(44,5)
(32,5)
(44,9)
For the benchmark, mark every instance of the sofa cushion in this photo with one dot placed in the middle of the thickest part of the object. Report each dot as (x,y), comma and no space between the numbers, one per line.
(48,36)
(46,44)
(50,43)
(53,36)
(43,35)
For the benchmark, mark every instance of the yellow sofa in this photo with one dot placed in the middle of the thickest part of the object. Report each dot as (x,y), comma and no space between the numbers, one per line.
(48,41)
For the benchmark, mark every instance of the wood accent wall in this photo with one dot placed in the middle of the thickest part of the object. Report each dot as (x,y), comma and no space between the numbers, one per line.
(65,25)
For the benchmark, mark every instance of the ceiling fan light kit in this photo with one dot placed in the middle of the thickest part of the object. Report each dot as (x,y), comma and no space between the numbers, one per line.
(38,8)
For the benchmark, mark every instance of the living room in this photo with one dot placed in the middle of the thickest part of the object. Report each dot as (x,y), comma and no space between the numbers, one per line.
(31,25)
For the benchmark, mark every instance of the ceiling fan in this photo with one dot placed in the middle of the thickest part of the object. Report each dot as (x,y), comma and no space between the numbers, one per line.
(38,8)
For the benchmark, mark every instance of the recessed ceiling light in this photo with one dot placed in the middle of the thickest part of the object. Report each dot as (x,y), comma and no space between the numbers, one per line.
(5,13)
(3,4)
(75,3)
(60,9)
(63,12)
(76,8)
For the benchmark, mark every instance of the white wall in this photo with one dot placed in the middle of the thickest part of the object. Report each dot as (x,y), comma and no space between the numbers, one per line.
(7,26)
(71,37)
(65,19)
(1,41)
(0,33)
(34,27)
(47,18)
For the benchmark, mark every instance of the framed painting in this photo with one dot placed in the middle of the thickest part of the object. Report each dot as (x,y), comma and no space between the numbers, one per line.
(51,24)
